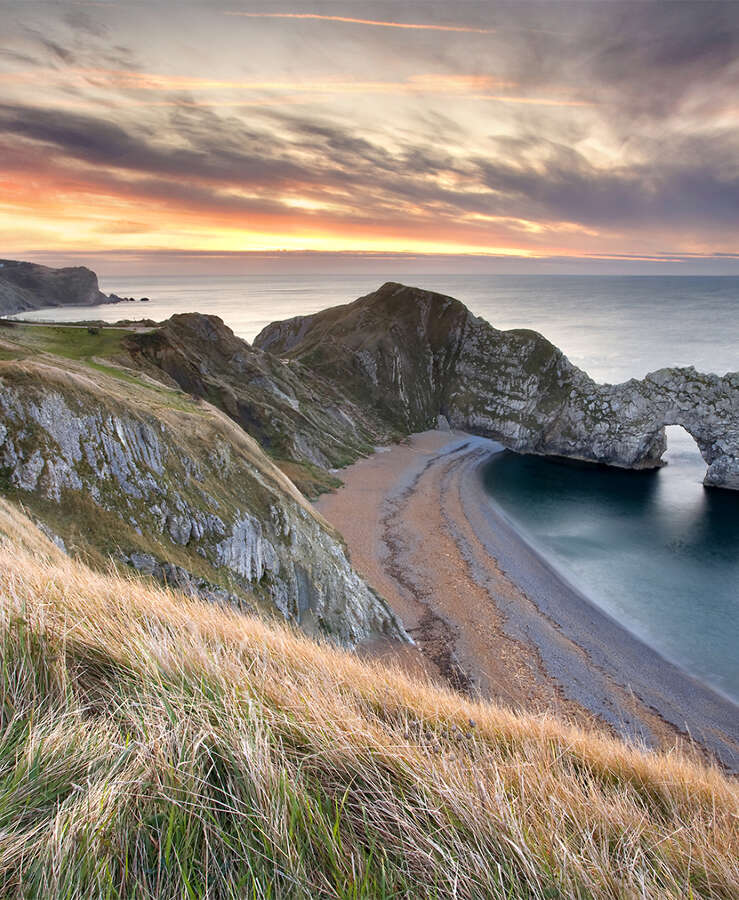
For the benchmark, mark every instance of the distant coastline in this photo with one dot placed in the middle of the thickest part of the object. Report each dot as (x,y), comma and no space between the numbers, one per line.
(710,717)
(26,286)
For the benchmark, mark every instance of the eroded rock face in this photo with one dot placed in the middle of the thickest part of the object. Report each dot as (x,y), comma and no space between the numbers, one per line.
(293,413)
(414,355)
(393,352)
(181,494)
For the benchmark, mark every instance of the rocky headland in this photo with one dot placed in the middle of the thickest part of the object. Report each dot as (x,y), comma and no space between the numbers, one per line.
(411,356)
(25,286)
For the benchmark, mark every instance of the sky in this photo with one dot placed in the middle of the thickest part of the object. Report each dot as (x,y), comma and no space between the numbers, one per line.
(167,136)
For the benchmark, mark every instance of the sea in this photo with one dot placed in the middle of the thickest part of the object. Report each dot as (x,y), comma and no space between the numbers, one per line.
(656,550)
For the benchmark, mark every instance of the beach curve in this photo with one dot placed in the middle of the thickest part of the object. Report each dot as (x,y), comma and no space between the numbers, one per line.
(493,617)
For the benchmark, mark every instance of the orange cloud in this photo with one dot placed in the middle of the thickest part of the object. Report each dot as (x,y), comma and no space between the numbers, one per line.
(88,214)
(468,86)
(535,101)
(417,84)
(376,23)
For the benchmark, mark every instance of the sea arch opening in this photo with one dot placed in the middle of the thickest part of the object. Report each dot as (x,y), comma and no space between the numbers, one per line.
(685,467)
(681,445)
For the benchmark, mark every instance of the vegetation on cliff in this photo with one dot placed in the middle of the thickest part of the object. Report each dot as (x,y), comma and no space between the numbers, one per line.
(153,746)
(117,465)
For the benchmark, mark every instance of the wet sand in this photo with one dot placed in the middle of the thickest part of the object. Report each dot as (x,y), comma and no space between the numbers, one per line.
(490,616)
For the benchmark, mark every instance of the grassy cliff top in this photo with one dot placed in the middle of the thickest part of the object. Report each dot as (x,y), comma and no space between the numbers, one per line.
(69,341)
(152,746)
(98,347)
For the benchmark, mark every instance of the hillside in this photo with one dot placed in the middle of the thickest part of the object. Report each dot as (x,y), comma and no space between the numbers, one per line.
(153,746)
(119,466)
(305,422)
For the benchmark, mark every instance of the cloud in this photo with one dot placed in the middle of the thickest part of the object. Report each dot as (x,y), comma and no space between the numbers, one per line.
(59,52)
(415,84)
(17,56)
(346,20)
(609,124)
(380,264)
(693,181)
(295,166)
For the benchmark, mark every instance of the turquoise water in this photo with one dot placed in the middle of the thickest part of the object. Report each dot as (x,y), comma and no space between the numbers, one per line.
(656,550)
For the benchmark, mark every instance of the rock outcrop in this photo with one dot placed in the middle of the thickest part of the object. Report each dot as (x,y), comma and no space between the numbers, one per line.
(411,355)
(393,352)
(287,407)
(25,285)
(171,487)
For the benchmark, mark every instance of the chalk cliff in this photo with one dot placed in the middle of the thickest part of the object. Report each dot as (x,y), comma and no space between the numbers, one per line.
(115,467)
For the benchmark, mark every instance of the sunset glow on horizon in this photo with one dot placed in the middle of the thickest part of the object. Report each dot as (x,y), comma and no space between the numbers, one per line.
(518,132)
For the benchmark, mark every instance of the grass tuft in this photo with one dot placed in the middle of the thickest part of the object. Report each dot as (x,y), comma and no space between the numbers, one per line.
(155,747)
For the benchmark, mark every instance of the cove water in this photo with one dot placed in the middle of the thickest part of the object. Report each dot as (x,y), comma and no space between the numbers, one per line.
(654,549)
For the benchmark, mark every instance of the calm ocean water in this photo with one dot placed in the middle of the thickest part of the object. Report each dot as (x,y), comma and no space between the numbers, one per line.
(655,550)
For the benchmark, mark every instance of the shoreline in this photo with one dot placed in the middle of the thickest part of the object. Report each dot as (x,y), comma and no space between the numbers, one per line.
(490,613)
(14,316)
(692,707)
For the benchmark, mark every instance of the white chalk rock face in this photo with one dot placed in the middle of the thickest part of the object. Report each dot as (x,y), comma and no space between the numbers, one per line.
(179,494)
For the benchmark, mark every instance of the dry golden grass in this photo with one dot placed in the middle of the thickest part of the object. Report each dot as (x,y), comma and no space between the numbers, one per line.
(152,746)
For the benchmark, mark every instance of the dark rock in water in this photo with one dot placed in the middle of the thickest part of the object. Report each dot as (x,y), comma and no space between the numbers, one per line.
(412,355)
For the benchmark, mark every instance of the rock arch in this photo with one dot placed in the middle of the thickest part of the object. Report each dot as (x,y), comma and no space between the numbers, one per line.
(424,354)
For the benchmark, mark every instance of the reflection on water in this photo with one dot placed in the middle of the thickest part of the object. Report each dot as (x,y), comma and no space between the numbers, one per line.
(656,550)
